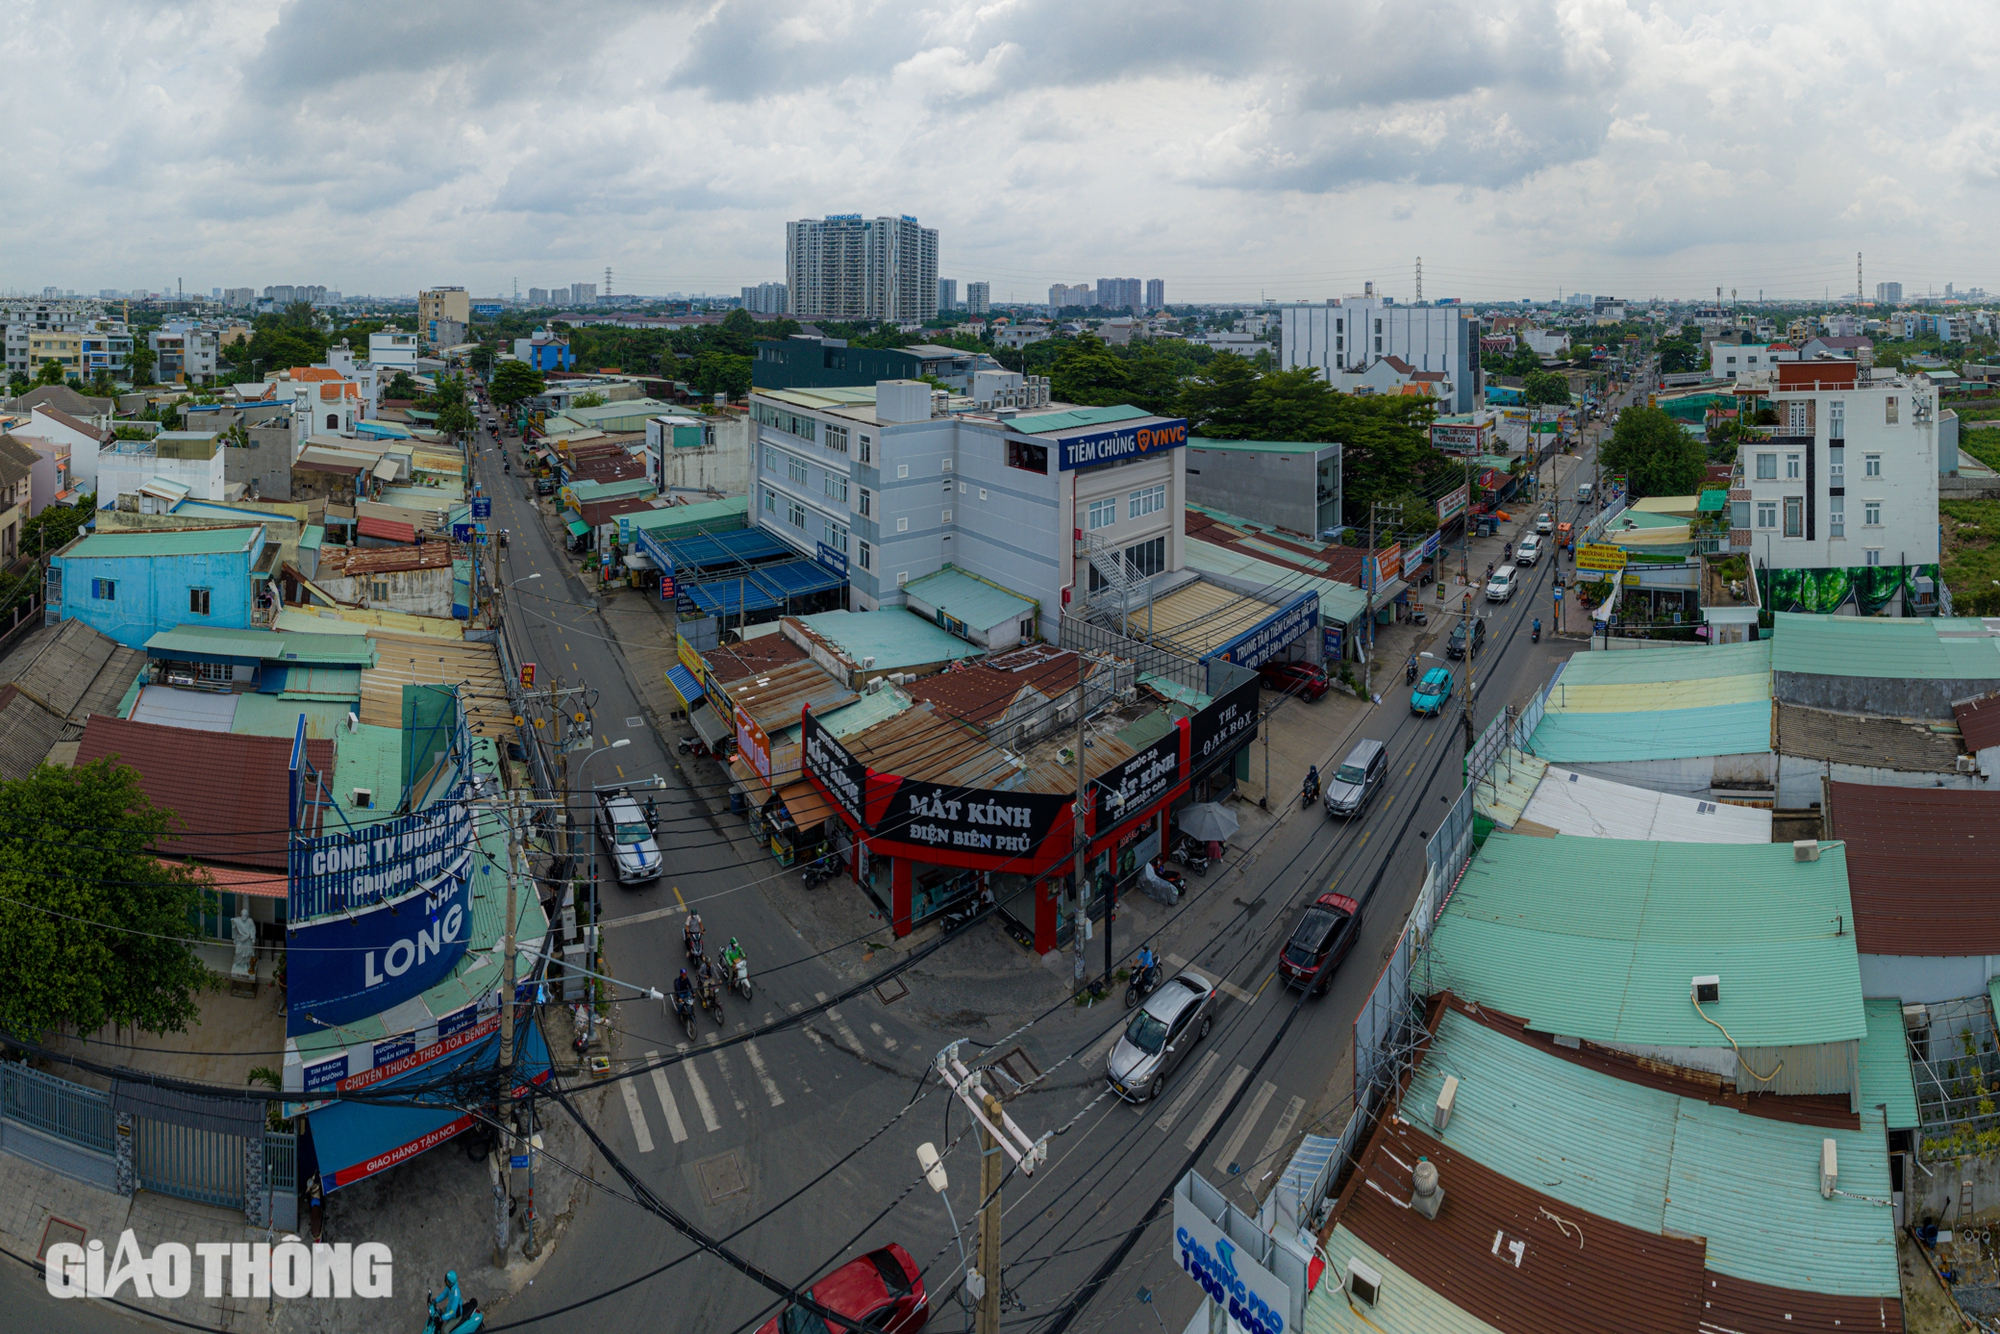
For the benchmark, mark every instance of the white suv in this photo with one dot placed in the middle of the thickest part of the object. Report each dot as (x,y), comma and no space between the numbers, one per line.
(1501,586)
(1529,551)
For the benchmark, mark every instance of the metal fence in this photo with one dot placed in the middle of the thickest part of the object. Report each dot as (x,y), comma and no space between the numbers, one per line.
(201,1165)
(1084,637)
(56,1107)
(1956,1069)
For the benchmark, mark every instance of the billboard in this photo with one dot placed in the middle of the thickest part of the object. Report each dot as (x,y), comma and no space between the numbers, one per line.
(1600,556)
(1224,725)
(1120,442)
(351,870)
(1139,782)
(1453,505)
(753,745)
(964,819)
(346,968)
(1265,640)
(843,778)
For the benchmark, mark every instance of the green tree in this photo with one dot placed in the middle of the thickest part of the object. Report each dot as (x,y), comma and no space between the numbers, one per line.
(141,362)
(1679,355)
(1216,403)
(591,399)
(50,373)
(481,359)
(53,528)
(403,388)
(457,420)
(1087,372)
(514,382)
(1544,387)
(94,927)
(1657,457)
(722,373)
(18,383)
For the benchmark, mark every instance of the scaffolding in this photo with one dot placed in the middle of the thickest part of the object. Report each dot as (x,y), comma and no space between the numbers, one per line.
(1956,1067)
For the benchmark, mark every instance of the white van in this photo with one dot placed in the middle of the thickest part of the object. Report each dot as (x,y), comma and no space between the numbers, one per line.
(1501,586)
(1584,491)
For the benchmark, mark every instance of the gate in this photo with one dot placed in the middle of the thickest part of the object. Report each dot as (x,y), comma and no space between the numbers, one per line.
(201,1165)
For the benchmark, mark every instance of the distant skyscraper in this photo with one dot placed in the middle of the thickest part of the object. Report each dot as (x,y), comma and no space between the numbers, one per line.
(947,296)
(583,294)
(767,299)
(1888,294)
(1156,294)
(845,267)
(538,296)
(1077,294)
(978,298)
(1118,293)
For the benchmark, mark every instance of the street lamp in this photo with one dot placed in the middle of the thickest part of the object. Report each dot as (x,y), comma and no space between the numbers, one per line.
(974,1286)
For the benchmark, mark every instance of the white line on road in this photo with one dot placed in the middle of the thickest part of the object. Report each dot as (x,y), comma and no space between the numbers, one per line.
(887,1041)
(666,1096)
(729,1082)
(1248,1122)
(817,1041)
(1166,1119)
(1215,1105)
(701,1101)
(638,917)
(639,1130)
(1279,1134)
(763,1077)
(841,1025)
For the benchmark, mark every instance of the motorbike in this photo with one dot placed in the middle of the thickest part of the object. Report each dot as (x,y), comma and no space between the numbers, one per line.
(684,1011)
(819,871)
(1535,635)
(1309,792)
(1410,672)
(1142,984)
(711,1000)
(695,746)
(692,943)
(507,467)
(739,976)
(466,1319)
(1191,855)
(962,911)
(1417,616)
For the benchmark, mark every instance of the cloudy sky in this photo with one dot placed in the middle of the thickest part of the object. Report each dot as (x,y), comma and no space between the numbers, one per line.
(1234,149)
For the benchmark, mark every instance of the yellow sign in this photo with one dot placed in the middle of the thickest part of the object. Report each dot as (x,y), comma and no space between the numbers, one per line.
(1631,579)
(1599,556)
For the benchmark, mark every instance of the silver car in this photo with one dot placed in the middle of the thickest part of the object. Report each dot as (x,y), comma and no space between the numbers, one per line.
(1175,1017)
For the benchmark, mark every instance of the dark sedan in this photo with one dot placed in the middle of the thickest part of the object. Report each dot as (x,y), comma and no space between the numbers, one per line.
(1325,933)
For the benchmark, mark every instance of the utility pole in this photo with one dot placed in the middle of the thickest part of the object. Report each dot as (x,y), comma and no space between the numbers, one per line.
(998,1134)
(1080,844)
(1370,570)
(992,1171)
(503,1151)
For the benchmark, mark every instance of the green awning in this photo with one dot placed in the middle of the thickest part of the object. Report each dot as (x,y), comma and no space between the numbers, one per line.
(1713,502)
(578,527)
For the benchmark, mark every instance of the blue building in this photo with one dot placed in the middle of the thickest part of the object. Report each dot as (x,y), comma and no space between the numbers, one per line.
(131,586)
(545,351)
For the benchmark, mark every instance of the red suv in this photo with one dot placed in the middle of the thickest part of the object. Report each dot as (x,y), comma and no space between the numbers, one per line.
(1322,938)
(883,1289)
(1304,679)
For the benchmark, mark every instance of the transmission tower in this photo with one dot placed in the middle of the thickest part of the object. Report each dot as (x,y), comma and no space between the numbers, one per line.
(1420,280)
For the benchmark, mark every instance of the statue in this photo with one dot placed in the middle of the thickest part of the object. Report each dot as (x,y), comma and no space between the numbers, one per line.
(244,932)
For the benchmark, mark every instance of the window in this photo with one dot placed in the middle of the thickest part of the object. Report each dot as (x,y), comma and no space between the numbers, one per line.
(982,493)
(1871,513)
(1795,516)
(961,488)
(1103,513)
(902,525)
(1836,423)
(867,554)
(198,601)
(797,514)
(1149,558)
(1792,467)
(1889,411)
(1836,466)
(1767,467)
(1873,556)
(1871,464)
(902,470)
(1801,415)
(104,590)
(770,501)
(866,452)
(1730,362)
(1739,514)
(770,459)
(1836,516)
(795,468)
(1028,456)
(836,438)
(947,465)
(947,516)
(902,577)
(867,499)
(834,535)
(1148,500)
(1767,514)
(836,487)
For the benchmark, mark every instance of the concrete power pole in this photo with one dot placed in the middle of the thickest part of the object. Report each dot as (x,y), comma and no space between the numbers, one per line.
(503,1111)
(998,1134)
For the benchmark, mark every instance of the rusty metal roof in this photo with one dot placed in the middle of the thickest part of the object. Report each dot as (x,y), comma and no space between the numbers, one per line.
(1979,721)
(773,699)
(1923,867)
(356,562)
(733,662)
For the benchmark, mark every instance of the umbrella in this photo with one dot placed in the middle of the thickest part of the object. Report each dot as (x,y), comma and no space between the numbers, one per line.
(1206,821)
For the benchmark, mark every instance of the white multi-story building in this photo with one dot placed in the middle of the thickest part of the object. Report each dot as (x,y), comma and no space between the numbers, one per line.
(846,267)
(1849,477)
(887,483)
(1353,332)
(1733,361)
(767,299)
(391,351)
(978,298)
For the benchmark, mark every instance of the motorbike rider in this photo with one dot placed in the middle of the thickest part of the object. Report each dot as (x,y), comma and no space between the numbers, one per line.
(691,933)
(1312,780)
(1146,961)
(732,955)
(450,1303)
(1538,627)
(706,975)
(683,991)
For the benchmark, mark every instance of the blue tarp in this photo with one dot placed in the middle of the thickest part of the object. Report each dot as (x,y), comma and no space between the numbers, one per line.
(767,587)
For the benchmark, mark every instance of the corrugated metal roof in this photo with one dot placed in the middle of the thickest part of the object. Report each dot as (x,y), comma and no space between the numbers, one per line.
(1048,423)
(1659,1162)
(406,661)
(1885,1065)
(1979,721)
(1578,804)
(164,542)
(893,636)
(1681,505)
(1597,938)
(27,733)
(73,670)
(275,715)
(1568,696)
(1650,666)
(222,642)
(966,597)
(1338,603)
(1260,446)
(1407,1303)
(773,699)
(1200,617)
(1923,866)
(1587,738)
(196,710)
(388,530)
(674,520)
(1929,648)
(1909,745)
(1503,795)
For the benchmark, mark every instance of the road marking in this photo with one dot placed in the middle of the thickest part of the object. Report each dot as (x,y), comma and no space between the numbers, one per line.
(1166,1119)
(1261,985)
(701,1100)
(652,916)
(1244,1125)
(817,1040)
(1364,837)
(1279,1134)
(666,1097)
(841,1025)
(1412,769)
(678,899)
(639,1130)
(1427,738)
(1215,1105)
(763,1077)
(621,770)
(1100,1049)
(1232,990)
(729,1082)
(887,1041)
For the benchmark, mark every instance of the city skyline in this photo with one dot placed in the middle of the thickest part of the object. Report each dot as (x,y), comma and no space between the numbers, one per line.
(1592,148)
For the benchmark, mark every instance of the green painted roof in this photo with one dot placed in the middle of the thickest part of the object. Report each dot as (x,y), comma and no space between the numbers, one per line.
(1632,520)
(981,605)
(275,715)
(1714,502)
(1931,649)
(1596,938)
(1047,423)
(894,636)
(1885,1064)
(1338,603)
(716,516)
(1653,666)
(857,715)
(1663,1163)
(371,757)
(1664,734)
(165,542)
(1406,1303)
(578,527)
(1194,700)
(587,490)
(1261,446)
(215,641)
(313,538)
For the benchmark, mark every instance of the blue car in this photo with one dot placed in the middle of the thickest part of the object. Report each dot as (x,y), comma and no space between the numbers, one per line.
(1431,691)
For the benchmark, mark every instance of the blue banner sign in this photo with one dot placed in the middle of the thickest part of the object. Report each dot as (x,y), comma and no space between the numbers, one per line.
(829,559)
(395,1049)
(482,507)
(343,969)
(458,1021)
(461,532)
(355,869)
(1120,442)
(1264,641)
(325,1074)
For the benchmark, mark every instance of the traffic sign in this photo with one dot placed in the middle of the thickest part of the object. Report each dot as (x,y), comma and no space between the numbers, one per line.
(527,676)
(482,507)
(461,532)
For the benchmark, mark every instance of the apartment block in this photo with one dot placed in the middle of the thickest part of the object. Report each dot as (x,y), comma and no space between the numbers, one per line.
(767,299)
(978,298)
(846,267)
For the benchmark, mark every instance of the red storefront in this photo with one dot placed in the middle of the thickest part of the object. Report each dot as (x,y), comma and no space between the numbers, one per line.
(1019,844)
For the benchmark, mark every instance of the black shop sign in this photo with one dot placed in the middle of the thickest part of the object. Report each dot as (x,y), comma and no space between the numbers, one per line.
(1226,724)
(969,819)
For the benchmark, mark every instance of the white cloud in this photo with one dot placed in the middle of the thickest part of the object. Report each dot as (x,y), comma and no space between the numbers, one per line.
(1288,147)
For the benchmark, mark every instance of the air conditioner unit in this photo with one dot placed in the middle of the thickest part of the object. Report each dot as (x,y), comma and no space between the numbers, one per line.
(1805,849)
(364,798)
(1447,1099)
(1363,1283)
(1706,990)
(1829,1168)
(1966,764)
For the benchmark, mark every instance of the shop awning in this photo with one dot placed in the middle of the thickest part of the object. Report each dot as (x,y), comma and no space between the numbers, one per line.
(708,725)
(639,560)
(684,684)
(578,527)
(806,806)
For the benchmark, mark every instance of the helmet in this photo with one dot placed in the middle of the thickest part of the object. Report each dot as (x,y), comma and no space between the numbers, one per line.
(451,1277)
(732,942)
(684,972)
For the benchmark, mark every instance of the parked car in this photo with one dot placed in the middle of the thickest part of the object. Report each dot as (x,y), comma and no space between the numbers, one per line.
(1304,679)
(1326,932)
(884,1290)
(1546,523)
(1364,770)
(1432,692)
(1529,551)
(1501,586)
(627,831)
(1454,648)
(1175,1017)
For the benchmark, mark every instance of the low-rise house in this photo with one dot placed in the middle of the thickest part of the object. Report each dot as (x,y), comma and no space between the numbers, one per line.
(49,483)
(416,580)
(170,467)
(130,586)
(84,438)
